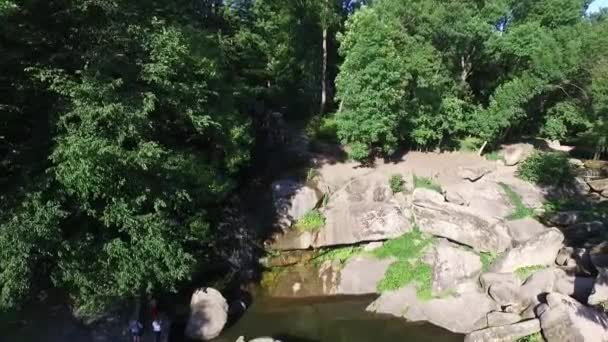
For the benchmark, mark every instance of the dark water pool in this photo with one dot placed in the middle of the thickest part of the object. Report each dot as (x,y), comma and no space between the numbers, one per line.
(328,319)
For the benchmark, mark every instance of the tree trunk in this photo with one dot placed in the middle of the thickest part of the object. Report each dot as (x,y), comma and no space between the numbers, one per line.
(324,74)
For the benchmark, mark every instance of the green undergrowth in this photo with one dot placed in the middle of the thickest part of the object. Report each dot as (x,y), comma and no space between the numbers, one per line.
(494,156)
(408,268)
(524,272)
(426,183)
(340,254)
(396,183)
(536,337)
(547,168)
(470,144)
(588,211)
(487,259)
(521,210)
(311,221)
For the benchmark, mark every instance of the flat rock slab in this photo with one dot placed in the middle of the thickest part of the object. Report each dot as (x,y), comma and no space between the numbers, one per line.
(473,174)
(599,186)
(499,319)
(362,274)
(463,313)
(453,265)
(507,333)
(539,250)
(437,217)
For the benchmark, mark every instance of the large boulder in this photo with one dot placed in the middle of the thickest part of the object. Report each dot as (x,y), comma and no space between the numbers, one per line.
(472,173)
(453,265)
(564,319)
(600,288)
(539,250)
(457,223)
(208,314)
(294,199)
(364,210)
(599,185)
(483,197)
(513,154)
(498,318)
(488,279)
(448,313)
(507,333)
(524,229)
(362,274)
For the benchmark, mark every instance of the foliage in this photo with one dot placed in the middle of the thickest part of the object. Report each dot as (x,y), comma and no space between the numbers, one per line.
(426,183)
(494,156)
(311,221)
(521,210)
(322,129)
(470,144)
(524,272)
(408,268)
(536,337)
(396,183)
(487,259)
(549,168)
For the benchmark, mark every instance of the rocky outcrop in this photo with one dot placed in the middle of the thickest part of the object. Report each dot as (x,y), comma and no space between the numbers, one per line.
(208,314)
(453,265)
(498,319)
(539,250)
(600,186)
(292,200)
(448,312)
(483,197)
(364,210)
(599,294)
(437,217)
(564,319)
(362,274)
(489,278)
(473,174)
(524,229)
(507,333)
(578,260)
(513,154)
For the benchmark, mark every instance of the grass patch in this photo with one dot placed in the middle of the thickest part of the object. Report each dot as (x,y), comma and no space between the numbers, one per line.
(426,183)
(271,277)
(524,272)
(407,268)
(311,221)
(311,174)
(521,210)
(536,337)
(340,254)
(547,168)
(396,183)
(487,259)
(494,156)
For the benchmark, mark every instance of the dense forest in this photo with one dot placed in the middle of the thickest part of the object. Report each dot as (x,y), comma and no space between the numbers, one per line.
(126,125)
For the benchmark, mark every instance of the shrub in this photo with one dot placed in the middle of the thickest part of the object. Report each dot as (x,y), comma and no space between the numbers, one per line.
(322,129)
(426,183)
(408,268)
(494,156)
(470,144)
(548,168)
(396,183)
(521,210)
(311,221)
(524,272)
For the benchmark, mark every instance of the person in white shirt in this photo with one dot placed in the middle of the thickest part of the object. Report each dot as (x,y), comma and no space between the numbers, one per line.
(157,329)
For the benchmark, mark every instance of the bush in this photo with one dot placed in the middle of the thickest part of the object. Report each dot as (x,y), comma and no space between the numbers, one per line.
(311,221)
(494,156)
(322,129)
(521,210)
(396,183)
(548,168)
(426,183)
(470,144)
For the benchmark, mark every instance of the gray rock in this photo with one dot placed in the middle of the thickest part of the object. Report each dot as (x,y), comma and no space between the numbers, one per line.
(489,278)
(292,239)
(507,295)
(599,186)
(564,319)
(294,199)
(457,223)
(484,197)
(497,318)
(513,154)
(540,250)
(473,174)
(576,162)
(453,265)
(584,233)
(507,333)
(208,314)
(566,218)
(455,197)
(599,255)
(569,284)
(357,213)
(362,274)
(448,312)
(524,229)
(576,259)
(600,288)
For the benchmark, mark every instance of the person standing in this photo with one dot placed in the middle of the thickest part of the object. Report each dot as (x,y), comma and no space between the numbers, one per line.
(157,329)
(136,328)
